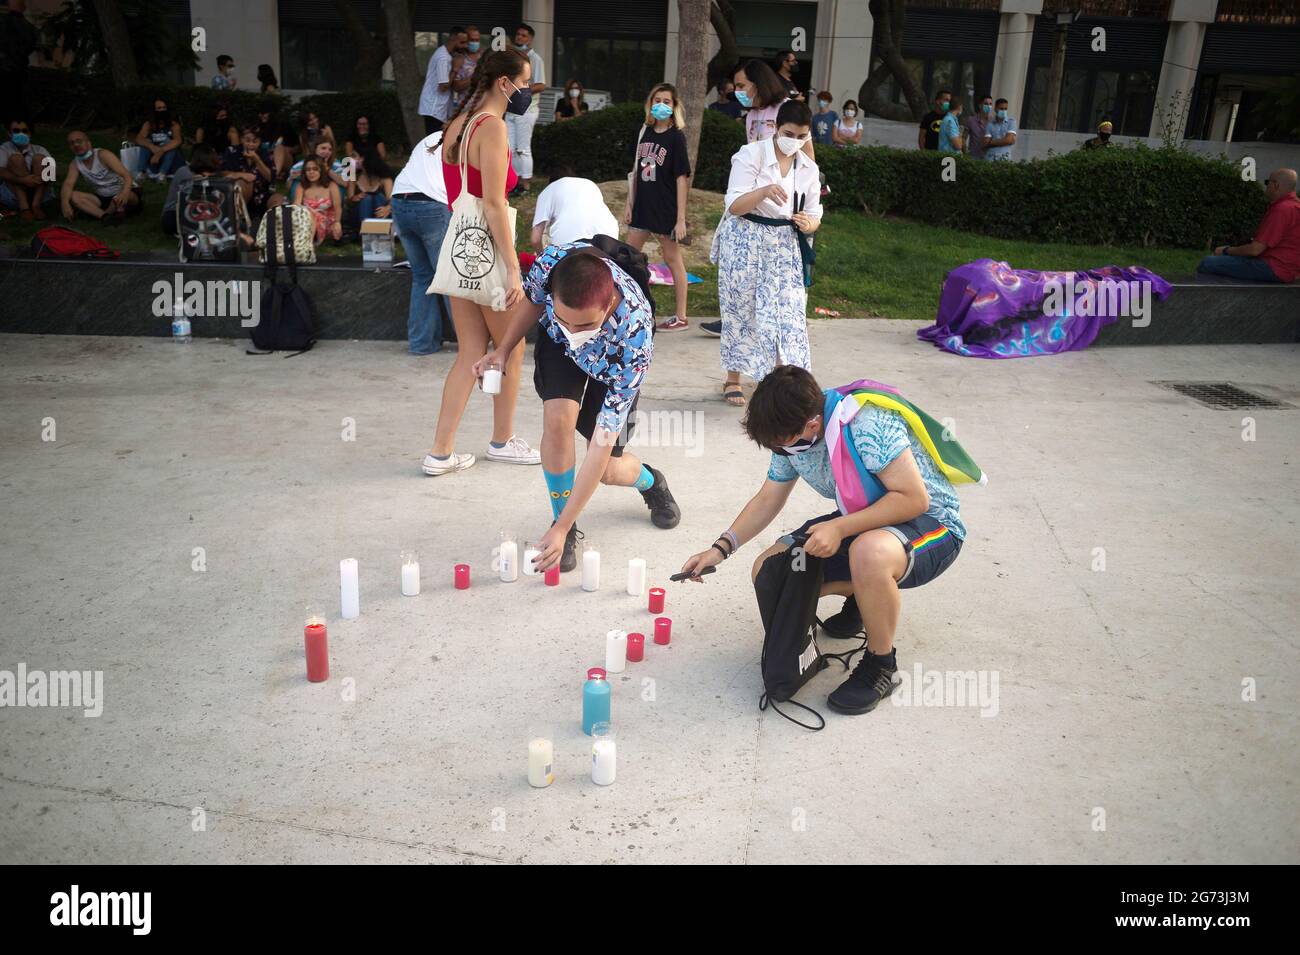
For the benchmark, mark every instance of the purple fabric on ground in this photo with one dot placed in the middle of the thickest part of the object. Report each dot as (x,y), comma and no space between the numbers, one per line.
(989,310)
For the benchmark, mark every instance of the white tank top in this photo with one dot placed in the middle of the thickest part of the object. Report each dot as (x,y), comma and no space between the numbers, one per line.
(102,180)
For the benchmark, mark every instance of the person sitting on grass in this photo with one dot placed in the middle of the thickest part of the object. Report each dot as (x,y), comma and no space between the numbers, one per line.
(1274,254)
(244,165)
(26,171)
(323,198)
(161,135)
(113,195)
(592,354)
(371,186)
(898,524)
(335,170)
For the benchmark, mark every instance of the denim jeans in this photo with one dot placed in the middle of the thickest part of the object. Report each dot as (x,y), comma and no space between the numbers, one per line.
(168,164)
(1245,267)
(369,203)
(422,226)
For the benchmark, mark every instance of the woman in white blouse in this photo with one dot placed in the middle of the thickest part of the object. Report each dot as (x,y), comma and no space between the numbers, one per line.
(763,253)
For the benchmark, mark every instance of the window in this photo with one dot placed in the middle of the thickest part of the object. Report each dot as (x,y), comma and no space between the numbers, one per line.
(626,66)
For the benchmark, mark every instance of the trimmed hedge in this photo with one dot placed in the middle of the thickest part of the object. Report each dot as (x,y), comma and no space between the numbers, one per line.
(599,145)
(62,98)
(1116,196)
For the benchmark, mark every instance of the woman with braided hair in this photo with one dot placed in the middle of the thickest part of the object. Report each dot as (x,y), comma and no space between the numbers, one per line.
(500,84)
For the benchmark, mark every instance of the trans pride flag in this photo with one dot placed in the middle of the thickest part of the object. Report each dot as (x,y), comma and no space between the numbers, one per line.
(855,486)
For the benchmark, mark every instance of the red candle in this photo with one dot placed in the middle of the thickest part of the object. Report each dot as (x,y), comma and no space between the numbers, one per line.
(635,647)
(318,654)
(656,600)
(663,629)
(462,576)
(553,575)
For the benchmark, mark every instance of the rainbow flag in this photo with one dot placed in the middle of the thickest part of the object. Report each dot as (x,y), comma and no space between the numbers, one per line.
(855,486)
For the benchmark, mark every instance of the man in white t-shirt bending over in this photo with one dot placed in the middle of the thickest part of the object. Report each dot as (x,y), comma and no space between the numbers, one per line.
(570,209)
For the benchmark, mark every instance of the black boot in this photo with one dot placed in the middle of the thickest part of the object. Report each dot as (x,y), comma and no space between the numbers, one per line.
(664,511)
(870,682)
(845,624)
(569,559)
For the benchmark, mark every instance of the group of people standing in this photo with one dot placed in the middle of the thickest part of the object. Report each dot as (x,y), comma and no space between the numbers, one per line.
(989,132)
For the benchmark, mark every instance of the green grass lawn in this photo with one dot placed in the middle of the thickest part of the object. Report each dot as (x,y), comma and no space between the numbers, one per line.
(867,267)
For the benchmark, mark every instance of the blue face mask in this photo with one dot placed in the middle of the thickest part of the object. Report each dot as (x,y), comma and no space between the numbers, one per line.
(1002,114)
(824,104)
(743,99)
(944,107)
(661,111)
(473,46)
(987,107)
(20,139)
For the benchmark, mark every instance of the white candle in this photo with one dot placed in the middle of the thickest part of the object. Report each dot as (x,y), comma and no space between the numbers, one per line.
(541,757)
(590,570)
(530,553)
(509,561)
(603,758)
(492,382)
(615,651)
(350,588)
(411,578)
(635,577)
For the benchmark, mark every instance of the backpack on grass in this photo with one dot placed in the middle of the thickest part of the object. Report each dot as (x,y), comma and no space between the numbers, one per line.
(60,242)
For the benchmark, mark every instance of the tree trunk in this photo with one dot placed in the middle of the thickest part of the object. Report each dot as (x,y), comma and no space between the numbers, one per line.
(890,16)
(723,17)
(401,47)
(117,40)
(692,69)
(372,49)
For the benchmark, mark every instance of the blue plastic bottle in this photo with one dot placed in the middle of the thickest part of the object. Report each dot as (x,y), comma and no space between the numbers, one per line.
(595,699)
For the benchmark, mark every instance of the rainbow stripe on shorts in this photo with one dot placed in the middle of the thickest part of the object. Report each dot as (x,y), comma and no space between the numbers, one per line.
(925,540)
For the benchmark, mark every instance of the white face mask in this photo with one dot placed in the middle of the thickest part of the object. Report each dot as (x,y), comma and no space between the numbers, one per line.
(849,113)
(788,144)
(578,339)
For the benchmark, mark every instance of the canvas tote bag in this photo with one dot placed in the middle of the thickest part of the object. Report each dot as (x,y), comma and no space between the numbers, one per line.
(470,266)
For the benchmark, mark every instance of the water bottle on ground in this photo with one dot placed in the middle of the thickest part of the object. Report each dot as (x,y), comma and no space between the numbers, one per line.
(180,323)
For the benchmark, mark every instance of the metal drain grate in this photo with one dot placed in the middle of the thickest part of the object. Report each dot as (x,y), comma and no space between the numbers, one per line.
(1221,395)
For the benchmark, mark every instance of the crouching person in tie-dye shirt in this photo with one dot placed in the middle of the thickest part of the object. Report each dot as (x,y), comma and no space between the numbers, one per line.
(592,353)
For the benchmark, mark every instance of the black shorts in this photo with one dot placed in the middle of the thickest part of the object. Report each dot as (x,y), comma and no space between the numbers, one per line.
(930,548)
(106,201)
(555,375)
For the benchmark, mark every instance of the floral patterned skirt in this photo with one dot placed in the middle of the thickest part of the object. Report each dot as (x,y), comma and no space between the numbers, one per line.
(761,296)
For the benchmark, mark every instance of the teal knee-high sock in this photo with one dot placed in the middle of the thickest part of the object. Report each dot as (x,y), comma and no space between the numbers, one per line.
(560,487)
(645,480)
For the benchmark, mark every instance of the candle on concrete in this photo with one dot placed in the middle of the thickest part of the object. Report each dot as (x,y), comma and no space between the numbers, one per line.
(635,647)
(410,573)
(590,567)
(603,754)
(552,575)
(316,643)
(663,630)
(541,761)
(508,557)
(615,651)
(636,577)
(461,576)
(656,600)
(531,550)
(350,588)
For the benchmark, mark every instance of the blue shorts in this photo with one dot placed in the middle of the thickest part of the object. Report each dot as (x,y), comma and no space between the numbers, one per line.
(929,545)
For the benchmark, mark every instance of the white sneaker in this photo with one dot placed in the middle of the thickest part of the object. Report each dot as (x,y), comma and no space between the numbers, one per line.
(453,462)
(516,451)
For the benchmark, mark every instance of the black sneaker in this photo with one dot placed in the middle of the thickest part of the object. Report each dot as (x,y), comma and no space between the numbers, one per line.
(712,328)
(664,511)
(845,624)
(569,559)
(870,682)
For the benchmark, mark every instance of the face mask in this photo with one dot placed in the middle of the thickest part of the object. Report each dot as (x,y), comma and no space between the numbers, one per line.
(661,111)
(574,94)
(1002,114)
(743,99)
(84,157)
(20,139)
(521,47)
(473,46)
(788,144)
(850,113)
(944,107)
(987,108)
(823,104)
(519,101)
(578,339)
(801,445)
(1103,136)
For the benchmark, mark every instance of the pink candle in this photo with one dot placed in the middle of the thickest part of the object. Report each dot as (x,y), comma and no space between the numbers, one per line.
(663,630)
(656,600)
(462,576)
(318,654)
(553,576)
(635,647)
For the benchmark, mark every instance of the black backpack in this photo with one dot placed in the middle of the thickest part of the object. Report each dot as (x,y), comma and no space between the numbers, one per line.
(788,586)
(288,319)
(210,213)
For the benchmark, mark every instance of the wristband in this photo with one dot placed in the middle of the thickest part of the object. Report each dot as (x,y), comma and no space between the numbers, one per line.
(731,539)
(724,554)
